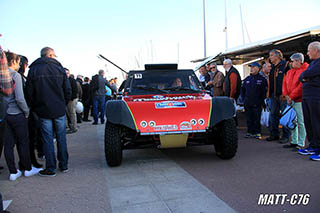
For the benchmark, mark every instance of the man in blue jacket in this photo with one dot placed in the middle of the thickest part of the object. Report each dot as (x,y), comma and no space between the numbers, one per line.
(48,91)
(253,92)
(311,101)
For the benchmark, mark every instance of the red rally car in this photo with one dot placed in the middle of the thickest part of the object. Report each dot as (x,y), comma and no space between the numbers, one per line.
(165,107)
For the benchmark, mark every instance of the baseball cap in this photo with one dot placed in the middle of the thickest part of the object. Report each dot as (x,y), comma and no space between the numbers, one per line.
(255,64)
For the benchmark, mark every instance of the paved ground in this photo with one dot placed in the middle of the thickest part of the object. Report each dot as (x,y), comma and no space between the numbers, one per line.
(82,189)
(259,167)
(176,180)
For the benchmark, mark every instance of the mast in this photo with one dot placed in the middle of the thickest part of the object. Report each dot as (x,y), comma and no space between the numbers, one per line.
(242,28)
(226,25)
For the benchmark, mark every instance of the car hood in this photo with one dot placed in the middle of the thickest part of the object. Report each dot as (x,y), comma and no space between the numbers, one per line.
(170,114)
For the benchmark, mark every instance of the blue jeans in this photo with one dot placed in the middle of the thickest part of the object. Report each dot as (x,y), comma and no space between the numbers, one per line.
(275,106)
(48,128)
(98,106)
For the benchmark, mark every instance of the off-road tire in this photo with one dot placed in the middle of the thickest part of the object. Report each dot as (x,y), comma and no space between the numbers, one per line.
(226,142)
(112,144)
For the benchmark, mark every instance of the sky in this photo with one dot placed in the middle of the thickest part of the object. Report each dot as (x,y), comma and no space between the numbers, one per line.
(134,32)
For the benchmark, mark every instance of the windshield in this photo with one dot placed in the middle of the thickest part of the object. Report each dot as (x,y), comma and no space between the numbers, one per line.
(162,82)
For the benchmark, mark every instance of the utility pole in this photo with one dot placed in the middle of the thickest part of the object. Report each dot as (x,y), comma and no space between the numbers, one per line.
(204,29)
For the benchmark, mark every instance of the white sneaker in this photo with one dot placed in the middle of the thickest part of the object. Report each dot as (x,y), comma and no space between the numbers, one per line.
(15,176)
(31,172)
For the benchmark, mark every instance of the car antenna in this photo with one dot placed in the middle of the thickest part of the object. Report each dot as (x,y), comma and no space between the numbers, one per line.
(113,63)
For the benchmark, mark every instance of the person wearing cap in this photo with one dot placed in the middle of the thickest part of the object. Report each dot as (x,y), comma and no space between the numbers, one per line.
(253,93)
(216,80)
(292,91)
(310,80)
(277,101)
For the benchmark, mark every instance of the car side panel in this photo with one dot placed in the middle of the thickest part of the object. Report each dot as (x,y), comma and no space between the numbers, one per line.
(118,112)
(222,109)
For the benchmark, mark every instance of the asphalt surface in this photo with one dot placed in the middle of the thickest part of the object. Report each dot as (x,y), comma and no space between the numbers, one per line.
(82,189)
(259,167)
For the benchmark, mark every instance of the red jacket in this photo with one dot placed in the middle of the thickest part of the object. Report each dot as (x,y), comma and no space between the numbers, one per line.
(291,85)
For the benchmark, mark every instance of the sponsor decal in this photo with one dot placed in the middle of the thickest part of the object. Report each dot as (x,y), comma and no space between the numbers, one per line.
(185,125)
(165,127)
(161,98)
(193,122)
(143,124)
(158,96)
(201,121)
(170,104)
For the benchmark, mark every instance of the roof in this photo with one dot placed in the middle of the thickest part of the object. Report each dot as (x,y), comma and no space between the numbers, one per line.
(288,44)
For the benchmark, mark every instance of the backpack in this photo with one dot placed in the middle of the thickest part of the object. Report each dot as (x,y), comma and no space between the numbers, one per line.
(288,117)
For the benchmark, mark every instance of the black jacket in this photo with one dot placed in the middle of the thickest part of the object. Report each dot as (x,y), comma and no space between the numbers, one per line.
(86,94)
(47,88)
(311,85)
(74,88)
(276,78)
(253,90)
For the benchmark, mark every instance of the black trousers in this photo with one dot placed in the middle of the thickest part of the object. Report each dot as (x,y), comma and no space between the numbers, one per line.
(253,116)
(17,134)
(3,125)
(86,110)
(311,115)
(79,117)
(35,139)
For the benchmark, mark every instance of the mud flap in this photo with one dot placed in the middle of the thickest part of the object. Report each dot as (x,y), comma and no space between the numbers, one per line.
(173,141)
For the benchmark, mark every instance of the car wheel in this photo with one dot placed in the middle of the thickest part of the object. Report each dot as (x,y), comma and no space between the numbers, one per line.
(112,144)
(226,144)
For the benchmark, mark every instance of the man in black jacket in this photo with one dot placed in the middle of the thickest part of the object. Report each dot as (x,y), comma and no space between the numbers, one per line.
(278,102)
(310,80)
(48,91)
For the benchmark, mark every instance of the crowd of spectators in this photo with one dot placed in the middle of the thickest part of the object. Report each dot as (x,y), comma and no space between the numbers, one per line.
(273,84)
(39,110)
(293,83)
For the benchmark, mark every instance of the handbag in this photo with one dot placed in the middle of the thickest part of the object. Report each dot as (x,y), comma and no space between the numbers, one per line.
(265,114)
(288,117)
